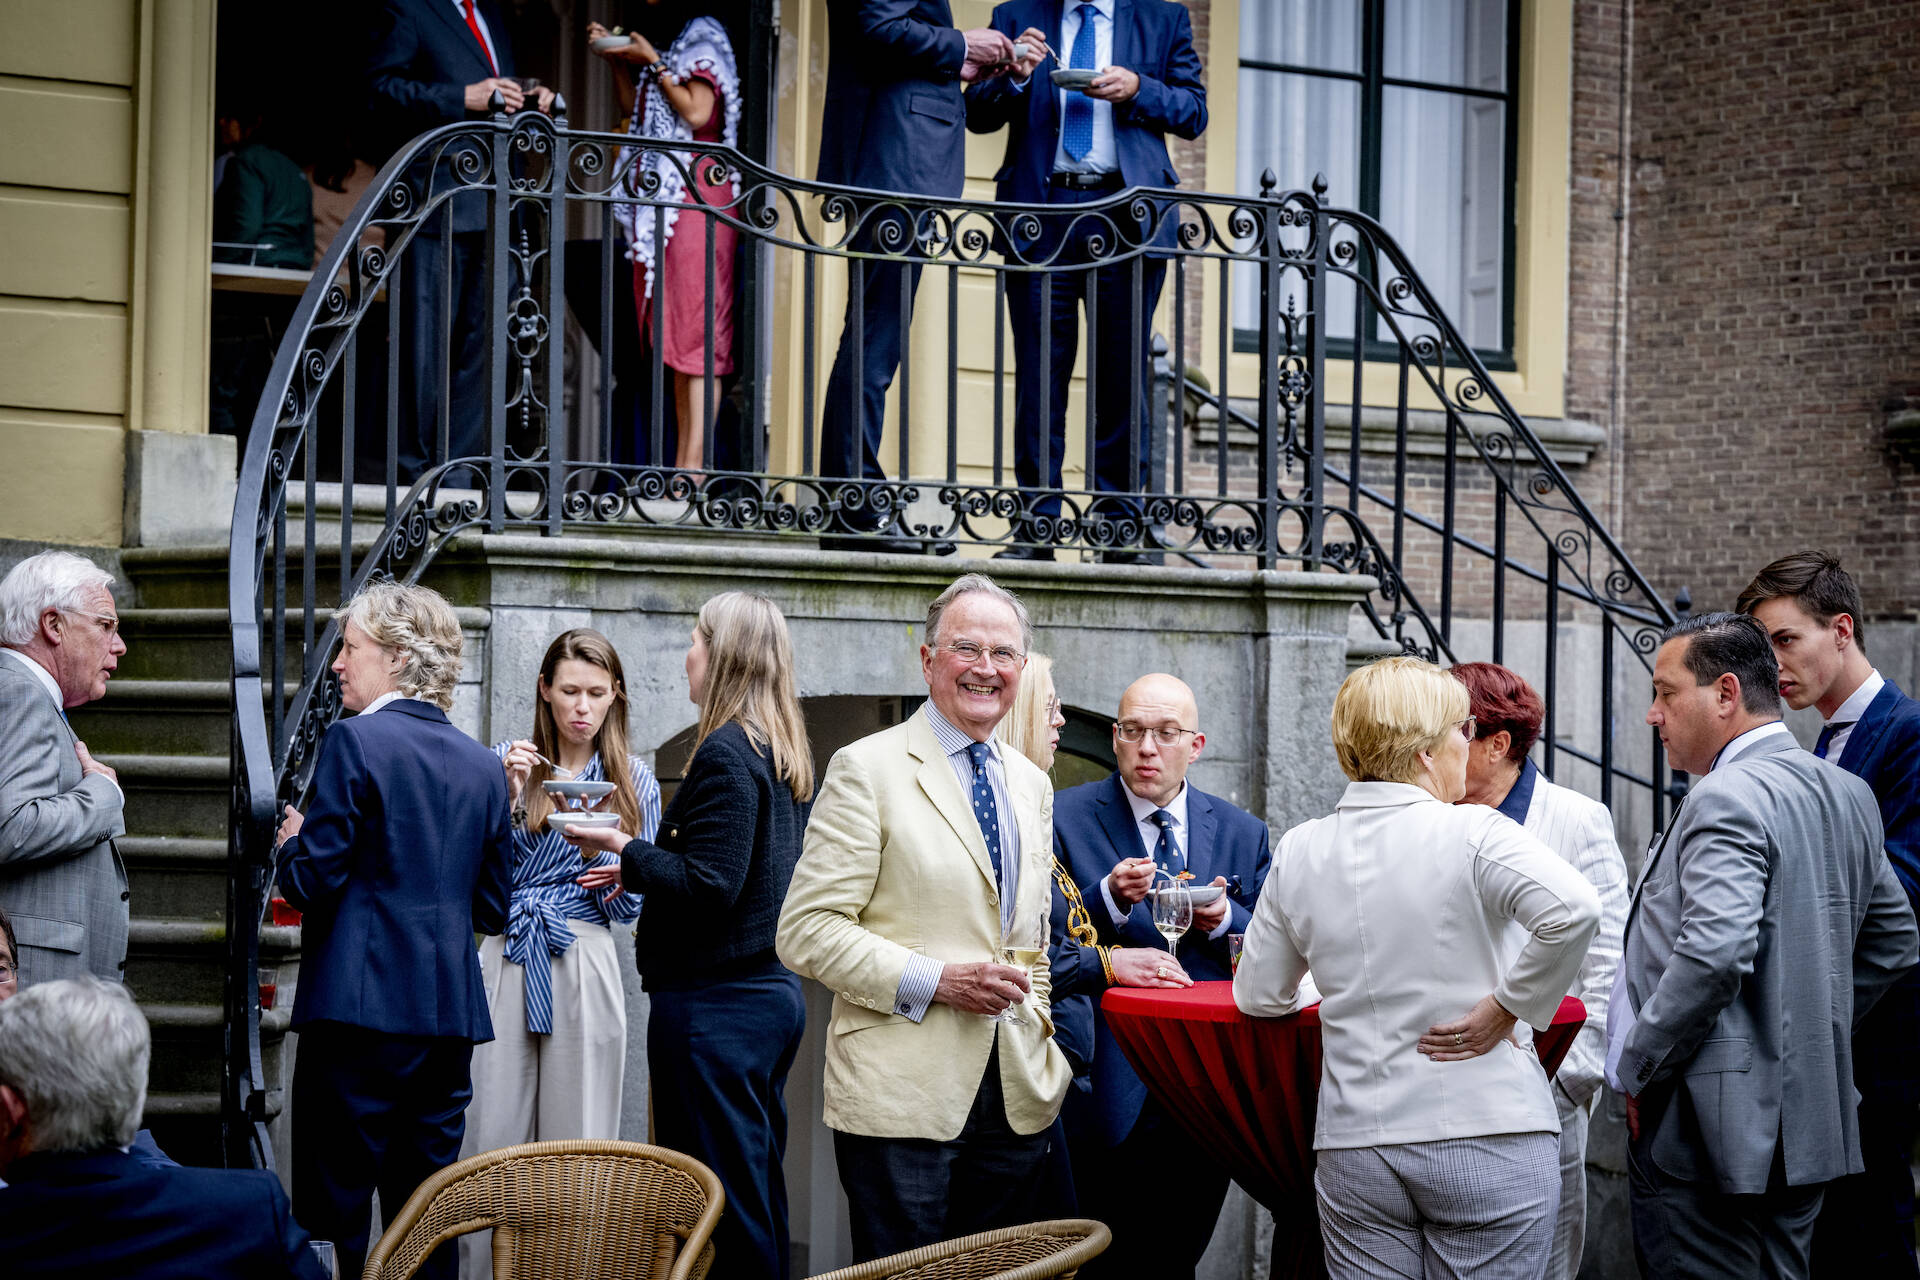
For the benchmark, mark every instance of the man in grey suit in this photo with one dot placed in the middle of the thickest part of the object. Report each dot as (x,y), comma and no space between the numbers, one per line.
(1766,923)
(61,879)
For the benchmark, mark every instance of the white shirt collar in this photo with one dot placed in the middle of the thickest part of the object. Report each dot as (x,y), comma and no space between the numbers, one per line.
(1747,741)
(952,739)
(392,695)
(1143,809)
(47,681)
(1857,702)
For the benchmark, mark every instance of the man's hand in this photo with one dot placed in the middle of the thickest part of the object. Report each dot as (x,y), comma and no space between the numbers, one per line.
(89,765)
(1633,1116)
(1115,84)
(290,821)
(1130,879)
(1206,919)
(481,90)
(989,53)
(1037,53)
(543,99)
(980,987)
(1147,967)
(1485,1026)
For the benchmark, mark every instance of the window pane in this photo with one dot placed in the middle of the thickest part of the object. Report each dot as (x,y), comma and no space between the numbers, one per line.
(1459,42)
(1298,126)
(1442,179)
(1302,33)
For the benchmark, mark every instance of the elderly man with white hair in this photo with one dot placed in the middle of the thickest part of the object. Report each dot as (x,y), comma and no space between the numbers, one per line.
(73,1081)
(61,878)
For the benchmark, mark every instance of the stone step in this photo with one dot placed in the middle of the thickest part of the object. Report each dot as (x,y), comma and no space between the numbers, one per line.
(193,644)
(174,717)
(174,962)
(177,877)
(187,1043)
(173,795)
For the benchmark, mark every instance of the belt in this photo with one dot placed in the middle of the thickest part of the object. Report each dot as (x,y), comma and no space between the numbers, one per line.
(1085,181)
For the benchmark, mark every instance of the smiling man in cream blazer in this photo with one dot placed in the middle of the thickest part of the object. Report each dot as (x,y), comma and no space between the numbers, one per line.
(925,840)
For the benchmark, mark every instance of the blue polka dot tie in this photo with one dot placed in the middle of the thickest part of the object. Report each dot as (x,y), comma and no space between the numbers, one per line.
(1076,122)
(985,811)
(1165,851)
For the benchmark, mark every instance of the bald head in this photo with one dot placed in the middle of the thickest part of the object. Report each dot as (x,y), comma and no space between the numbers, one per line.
(1164,705)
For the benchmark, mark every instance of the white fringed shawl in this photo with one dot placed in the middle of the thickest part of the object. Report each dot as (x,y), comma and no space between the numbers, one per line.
(702,46)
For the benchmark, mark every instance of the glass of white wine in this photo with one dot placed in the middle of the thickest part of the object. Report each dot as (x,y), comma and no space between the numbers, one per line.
(1172,912)
(1023,943)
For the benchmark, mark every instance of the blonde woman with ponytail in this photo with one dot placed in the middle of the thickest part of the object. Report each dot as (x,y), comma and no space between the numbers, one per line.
(726,1015)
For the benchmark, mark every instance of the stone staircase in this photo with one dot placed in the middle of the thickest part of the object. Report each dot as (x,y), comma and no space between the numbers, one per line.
(164,726)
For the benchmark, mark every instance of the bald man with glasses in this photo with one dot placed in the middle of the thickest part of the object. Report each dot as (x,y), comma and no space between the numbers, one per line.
(1116,837)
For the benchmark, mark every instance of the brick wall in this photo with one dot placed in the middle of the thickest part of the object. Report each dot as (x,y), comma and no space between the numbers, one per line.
(1774,294)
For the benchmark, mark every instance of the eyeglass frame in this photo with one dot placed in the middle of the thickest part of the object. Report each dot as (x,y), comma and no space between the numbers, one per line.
(9,973)
(1014,659)
(1140,731)
(112,631)
(1469,727)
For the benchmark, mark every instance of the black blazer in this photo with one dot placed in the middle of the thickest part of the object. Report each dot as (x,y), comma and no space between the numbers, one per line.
(713,885)
(406,853)
(893,118)
(422,62)
(108,1213)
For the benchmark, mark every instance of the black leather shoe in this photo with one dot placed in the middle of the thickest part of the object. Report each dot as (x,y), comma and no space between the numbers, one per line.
(1024,553)
(1132,557)
(877,544)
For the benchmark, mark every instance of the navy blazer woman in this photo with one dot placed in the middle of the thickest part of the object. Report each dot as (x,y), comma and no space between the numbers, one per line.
(405,854)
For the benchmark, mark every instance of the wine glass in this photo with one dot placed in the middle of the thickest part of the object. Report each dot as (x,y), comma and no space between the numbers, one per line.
(1023,943)
(1172,912)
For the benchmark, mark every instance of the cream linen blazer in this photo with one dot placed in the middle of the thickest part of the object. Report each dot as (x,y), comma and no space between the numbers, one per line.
(894,864)
(1401,905)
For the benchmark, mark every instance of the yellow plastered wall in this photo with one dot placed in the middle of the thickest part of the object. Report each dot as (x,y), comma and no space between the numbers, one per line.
(105,220)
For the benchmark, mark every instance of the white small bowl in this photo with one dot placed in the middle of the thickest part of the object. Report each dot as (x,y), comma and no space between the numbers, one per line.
(572,789)
(561,820)
(1078,78)
(1200,894)
(607,44)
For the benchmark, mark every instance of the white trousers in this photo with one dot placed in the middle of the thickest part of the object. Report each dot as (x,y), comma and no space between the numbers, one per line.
(535,1088)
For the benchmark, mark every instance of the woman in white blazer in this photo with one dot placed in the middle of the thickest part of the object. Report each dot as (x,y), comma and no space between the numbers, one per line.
(1437,1135)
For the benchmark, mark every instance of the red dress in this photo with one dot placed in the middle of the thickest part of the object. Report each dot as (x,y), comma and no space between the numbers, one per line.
(683,271)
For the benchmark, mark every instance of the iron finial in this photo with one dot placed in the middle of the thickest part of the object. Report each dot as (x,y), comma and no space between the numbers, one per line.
(496,104)
(1683,602)
(1319,186)
(560,108)
(1268,181)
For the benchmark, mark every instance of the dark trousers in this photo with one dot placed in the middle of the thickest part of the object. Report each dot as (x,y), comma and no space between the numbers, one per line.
(853,417)
(436,347)
(909,1192)
(1691,1231)
(1866,1225)
(373,1112)
(1047,344)
(718,1057)
(1111,1182)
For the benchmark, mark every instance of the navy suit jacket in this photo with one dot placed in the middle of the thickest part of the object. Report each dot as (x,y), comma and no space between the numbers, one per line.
(405,854)
(894,119)
(1078,980)
(1093,828)
(107,1213)
(417,76)
(1151,38)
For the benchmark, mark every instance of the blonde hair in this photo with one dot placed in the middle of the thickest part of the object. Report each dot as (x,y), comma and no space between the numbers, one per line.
(750,681)
(583,644)
(418,625)
(1025,727)
(1388,712)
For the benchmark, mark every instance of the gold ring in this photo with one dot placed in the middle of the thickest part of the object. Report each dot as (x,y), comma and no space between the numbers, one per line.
(1459,1038)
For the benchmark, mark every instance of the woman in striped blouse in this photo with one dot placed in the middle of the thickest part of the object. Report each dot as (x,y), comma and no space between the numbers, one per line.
(559,1010)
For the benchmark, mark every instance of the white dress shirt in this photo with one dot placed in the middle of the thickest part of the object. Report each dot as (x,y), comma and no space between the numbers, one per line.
(392,695)
(52,686)
(922,975)
(1102,157)
(1401,904)
(1849,712)
(486,32)
(1149,832)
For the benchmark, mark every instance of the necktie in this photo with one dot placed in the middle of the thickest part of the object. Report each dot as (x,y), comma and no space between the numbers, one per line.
(985,811)
(1166,853)
(1076,123)
(473,25)
(1826,738)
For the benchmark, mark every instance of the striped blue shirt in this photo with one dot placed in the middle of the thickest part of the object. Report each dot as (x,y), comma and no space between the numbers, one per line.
(922,974)
(545,895)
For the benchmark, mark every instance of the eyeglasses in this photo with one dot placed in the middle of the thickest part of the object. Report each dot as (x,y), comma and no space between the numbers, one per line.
(109,625)
(1053,707)
(6,974)
(1165,736)
(1004,657)
(1468,726)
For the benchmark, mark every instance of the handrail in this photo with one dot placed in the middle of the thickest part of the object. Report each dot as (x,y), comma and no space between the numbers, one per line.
(502,189)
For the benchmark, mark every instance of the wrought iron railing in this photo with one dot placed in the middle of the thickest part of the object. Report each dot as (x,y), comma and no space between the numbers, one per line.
(364,402)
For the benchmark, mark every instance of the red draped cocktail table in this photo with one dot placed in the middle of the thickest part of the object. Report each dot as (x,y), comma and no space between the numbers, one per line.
(1246,1089)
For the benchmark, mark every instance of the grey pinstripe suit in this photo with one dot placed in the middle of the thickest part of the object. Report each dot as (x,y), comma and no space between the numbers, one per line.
(61,879)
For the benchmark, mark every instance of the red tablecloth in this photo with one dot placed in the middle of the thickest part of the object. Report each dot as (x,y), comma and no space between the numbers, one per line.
(1246,1089)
